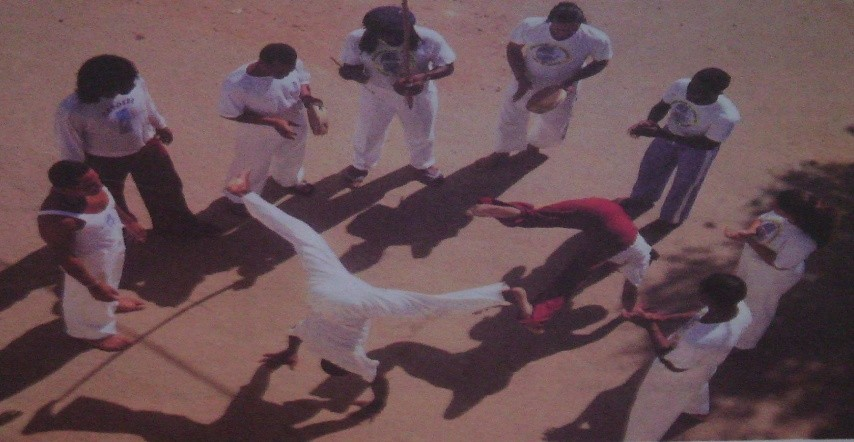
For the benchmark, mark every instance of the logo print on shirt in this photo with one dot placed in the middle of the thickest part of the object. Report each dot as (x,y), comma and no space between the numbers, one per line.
(549,55)
(110,220)
(683,114)
(767,231)
(388,61)
(124,118)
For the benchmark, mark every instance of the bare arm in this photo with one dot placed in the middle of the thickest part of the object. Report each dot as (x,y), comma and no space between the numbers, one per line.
(283,126)
(748,235)
(661,342)
(355,72)
(516,60)
(433,74)
(589,70)
(698,141)
(58,233)
(305,95)
(767,255)
(650,128)
(136,231)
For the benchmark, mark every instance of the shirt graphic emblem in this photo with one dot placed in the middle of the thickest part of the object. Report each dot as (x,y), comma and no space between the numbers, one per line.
(549,55)
(767,231)
(388,60)
(123,118)
(683,114)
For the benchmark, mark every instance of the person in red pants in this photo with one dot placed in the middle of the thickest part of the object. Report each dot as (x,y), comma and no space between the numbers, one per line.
(616,235)
(111,123)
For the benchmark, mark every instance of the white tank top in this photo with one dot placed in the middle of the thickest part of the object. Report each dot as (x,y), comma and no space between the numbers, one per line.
(100,231)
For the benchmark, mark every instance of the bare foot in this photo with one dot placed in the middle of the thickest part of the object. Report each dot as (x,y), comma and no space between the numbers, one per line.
(112,343)
(239,185)
(493,211)
(519,297)
(129,304)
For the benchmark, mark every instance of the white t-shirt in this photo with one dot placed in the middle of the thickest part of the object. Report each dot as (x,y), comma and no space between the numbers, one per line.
(550,61)
(384,65)
(112,127)
(708,345)
(266,96)
(791,244)
(714,121)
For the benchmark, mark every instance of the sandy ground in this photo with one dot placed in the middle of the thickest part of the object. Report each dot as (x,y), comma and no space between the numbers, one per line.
(216,305)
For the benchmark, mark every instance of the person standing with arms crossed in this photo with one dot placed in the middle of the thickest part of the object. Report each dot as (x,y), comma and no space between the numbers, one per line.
(374,56)
(700,119)
(82,224)
(542,52)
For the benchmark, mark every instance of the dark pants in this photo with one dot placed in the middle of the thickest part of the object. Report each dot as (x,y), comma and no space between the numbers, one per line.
(159,184)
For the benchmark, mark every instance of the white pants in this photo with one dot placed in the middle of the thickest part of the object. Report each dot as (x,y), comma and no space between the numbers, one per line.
(266,153)
(86,317)
(342,304)
(548,129)
(765,286)
(377,107)
(663,396)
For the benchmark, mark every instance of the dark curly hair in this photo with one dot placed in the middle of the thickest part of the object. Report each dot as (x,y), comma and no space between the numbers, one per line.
(66,173)
(716,78)
(385,18)
(104,76)
(808,213)
(724,289)
(278,53)
(566,12)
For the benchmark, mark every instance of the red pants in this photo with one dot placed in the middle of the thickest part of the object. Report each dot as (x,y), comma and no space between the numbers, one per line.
(159,185)
(571,280)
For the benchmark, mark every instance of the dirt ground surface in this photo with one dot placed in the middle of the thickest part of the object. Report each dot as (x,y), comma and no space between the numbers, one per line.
(216,305)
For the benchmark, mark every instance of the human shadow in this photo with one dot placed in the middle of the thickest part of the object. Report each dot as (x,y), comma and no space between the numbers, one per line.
(430,215)
(601,420)
(578,263)
(35,355)
(247,417)
(504,349)
(166,270)
(34,271)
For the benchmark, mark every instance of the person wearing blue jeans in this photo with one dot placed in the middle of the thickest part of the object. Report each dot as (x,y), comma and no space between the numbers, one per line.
(700,118)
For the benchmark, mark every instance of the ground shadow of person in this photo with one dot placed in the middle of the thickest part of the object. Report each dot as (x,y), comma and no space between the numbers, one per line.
(36,270)
(578,263)
(166,270)
(505,348)
(248,416)
(430,215)
(605,417)
(35,355)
